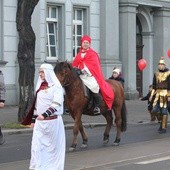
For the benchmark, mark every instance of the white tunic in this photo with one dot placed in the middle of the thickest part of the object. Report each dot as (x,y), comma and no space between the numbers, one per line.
(89,80)
(48,141)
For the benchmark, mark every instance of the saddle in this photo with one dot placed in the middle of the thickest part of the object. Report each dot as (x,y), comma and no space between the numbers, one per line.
(89,95)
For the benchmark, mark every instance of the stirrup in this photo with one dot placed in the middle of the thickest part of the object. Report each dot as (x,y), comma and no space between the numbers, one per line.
(96,110)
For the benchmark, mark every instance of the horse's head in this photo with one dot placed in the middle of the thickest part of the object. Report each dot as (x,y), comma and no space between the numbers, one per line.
(64,72)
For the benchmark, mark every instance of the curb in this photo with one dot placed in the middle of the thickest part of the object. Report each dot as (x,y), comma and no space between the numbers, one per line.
(67,127)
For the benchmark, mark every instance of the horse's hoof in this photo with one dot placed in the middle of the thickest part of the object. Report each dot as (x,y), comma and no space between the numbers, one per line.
(83,146)
(116,142)
(105,141)
(72,147)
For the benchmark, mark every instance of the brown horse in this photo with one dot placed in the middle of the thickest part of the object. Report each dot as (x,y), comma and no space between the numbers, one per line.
(78,104)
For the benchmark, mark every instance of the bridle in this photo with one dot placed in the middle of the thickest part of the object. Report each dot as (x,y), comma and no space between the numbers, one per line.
(64,74)
(66,80)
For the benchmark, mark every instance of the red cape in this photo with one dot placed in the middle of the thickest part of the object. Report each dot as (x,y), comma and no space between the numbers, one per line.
(28,118)
(92,61)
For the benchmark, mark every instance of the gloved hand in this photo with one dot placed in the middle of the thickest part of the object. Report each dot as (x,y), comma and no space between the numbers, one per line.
(78,71)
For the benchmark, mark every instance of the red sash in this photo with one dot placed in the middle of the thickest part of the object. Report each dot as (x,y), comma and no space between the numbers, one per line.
(28,118)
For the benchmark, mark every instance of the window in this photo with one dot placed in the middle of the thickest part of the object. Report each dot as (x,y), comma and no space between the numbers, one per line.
(52,32)
(79,28)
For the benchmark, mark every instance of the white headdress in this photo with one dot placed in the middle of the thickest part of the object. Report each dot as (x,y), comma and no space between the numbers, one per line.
(117,70)
(50,76)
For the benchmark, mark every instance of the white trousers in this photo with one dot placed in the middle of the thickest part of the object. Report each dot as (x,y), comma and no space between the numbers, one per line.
(90,82)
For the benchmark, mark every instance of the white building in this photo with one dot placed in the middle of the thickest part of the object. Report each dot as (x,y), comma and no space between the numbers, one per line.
(122,32)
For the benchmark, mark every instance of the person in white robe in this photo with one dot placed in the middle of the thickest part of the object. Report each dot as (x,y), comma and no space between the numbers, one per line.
(48,140)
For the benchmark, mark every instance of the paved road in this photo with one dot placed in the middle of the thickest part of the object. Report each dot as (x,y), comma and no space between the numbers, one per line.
(146,155)
(19,144)
(137,114)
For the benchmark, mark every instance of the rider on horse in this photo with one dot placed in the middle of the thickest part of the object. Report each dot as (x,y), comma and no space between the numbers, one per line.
(87,60)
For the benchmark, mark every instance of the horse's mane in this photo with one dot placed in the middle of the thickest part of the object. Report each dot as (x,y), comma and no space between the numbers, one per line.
(64,65)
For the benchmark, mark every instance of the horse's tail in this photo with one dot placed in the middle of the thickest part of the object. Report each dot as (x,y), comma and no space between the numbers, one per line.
(124,117)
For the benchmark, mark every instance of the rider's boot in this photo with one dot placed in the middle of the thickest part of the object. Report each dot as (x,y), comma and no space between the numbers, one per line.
(96,103)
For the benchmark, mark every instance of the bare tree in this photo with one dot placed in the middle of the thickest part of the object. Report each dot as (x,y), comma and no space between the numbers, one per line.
(26,50)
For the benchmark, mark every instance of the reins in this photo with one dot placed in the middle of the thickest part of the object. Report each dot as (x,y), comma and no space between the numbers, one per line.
(66,79)
(66,83)
(65,68)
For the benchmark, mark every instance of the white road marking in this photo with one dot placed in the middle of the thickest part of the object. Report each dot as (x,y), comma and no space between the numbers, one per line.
(154,160)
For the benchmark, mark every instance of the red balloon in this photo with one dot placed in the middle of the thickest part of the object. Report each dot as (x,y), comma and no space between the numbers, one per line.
(168,53)
(142,64)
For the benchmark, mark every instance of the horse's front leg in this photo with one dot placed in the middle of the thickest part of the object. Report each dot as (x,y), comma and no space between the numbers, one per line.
(109,119)
(84,136)
(77,122)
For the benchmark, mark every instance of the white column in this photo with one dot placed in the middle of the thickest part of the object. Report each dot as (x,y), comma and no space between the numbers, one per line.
(128,47)
(148,55)
(109,35)
(1,30)
(161,25)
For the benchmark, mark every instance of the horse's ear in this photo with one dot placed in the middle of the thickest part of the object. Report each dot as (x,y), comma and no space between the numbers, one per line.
(57,61)
(66,62)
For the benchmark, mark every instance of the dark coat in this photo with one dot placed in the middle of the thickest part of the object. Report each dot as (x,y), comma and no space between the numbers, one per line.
(120,79)
(150,103)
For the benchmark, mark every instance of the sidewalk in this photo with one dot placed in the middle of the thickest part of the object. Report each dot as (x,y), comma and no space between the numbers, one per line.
(137,113)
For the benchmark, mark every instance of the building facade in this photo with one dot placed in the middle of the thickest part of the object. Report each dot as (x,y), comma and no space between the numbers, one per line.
(122,32)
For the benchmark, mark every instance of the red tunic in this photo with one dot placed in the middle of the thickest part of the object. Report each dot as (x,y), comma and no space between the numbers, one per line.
(92,61)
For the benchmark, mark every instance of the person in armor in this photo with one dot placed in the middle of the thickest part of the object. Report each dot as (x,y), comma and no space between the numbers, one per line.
(88,61)
(161,91)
